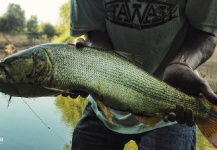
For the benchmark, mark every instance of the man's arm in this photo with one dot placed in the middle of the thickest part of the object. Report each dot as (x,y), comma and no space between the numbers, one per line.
(197,48)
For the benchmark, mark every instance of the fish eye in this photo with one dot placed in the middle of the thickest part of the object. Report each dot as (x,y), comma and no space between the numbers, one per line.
(39,66)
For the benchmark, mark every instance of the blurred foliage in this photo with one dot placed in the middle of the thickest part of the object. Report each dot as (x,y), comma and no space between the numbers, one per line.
(13,20)
(48,29)
(4,26)
(10,49)
(67,146)
(63,28)
(32,25)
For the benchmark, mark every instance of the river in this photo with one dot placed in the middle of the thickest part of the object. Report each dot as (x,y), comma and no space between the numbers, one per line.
(21,129)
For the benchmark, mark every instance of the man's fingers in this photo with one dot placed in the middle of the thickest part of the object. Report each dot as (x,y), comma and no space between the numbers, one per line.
(80,43)
(172,116)
(184,115)
(169,117)
(189,117)
(165,118)
(180,114)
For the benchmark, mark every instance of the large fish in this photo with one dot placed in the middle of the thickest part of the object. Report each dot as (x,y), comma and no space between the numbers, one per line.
(52,69)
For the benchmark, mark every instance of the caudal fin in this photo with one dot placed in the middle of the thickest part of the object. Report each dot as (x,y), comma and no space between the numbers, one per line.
(105,111)
(208,128)
(208,125)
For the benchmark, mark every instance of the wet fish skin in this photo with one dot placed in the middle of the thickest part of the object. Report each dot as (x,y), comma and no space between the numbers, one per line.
(105,75)
(52,69)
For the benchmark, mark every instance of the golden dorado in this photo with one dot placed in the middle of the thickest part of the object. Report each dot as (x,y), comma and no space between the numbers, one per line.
(53,69)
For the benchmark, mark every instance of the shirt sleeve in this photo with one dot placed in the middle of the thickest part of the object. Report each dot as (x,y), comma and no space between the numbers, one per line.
(202,14)
(86,15)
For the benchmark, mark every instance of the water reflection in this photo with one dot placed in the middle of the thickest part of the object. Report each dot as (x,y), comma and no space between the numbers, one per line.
(22,130)
(72,109)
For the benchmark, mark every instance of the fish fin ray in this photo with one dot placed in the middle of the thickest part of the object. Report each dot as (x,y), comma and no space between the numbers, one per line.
(149,121)
(105,111)
(208,128)
(54,89)
(59,91)
(9,101)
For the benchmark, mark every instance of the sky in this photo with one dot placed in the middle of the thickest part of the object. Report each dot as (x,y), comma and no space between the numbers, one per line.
(45,10)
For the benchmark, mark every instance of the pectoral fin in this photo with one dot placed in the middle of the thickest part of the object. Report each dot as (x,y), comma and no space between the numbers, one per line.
(149,121)
(55,90)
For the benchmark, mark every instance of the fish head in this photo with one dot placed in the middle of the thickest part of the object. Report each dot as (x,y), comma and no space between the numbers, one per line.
(25,73)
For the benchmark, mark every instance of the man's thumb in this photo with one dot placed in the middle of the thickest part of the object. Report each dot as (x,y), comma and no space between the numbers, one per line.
(208,92)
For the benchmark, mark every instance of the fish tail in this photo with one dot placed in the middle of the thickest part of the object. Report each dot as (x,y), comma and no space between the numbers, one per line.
(208,124)
(208,128)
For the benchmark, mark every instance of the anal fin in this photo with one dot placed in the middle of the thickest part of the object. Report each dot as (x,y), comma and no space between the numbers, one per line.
(149,121)
(105,111)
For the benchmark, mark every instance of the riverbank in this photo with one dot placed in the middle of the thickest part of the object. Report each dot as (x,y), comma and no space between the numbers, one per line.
(20,41)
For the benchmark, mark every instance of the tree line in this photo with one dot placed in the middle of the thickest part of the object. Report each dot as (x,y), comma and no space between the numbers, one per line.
(14,21)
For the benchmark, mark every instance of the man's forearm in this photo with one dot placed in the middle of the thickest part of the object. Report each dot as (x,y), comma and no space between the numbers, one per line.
(99,40)
(198,47)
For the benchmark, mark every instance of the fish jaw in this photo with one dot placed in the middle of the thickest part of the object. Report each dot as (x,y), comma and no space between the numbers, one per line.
(24,74)
(5,85)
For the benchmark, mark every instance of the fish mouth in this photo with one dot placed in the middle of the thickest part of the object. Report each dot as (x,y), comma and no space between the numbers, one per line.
(5,84)
(9,87)
(3,76)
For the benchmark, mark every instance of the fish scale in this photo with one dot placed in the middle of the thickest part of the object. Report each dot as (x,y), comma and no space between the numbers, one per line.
(117,80)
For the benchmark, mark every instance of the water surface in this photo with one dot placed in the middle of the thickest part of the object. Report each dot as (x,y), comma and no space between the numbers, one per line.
(20,128)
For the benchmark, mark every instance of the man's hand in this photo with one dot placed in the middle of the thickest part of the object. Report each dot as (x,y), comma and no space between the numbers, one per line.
(185,79)
(196,49)
(80,43)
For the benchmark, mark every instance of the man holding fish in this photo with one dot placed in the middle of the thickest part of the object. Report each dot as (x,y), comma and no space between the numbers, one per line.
(167,38)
